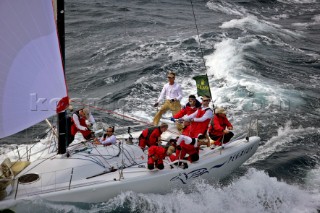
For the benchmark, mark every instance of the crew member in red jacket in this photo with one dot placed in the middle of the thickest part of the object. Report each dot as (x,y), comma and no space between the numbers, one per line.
(78,123)
(156,154)
(219,129)
(151,136)
(200,119)
(187,145)
(189,108)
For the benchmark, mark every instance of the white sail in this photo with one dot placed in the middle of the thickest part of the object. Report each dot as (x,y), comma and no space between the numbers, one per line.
(31,72)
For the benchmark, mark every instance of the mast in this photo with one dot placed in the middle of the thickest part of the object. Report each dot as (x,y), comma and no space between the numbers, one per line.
(62,121)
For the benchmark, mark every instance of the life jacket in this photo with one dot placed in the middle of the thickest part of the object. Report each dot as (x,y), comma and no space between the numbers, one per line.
(218,124)
(187,110)
(77,114)
(199,127)
(158,151)
(82,122)
(150,130)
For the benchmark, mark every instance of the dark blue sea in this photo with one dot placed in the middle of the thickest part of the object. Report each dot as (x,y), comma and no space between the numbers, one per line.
(262,58)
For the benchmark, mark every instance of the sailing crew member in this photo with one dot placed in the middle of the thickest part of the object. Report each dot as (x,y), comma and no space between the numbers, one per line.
(190,146)
(152,136)
(108,138)
(156,154)
(172,93)
(220,126)
(189,108)
(192,106)
(200,119)
(78,123)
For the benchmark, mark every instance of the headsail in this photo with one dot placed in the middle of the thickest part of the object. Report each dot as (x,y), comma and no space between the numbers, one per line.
(31,73)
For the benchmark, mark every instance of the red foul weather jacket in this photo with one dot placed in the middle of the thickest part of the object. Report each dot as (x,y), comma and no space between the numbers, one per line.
(218,124)
(199,127)
(149,137)
(82,121)
(187,110)
(157,151)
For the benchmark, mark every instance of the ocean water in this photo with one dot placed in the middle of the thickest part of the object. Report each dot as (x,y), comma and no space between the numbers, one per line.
(262,59)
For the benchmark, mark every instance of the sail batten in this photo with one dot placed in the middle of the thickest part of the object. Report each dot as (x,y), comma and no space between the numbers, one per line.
(32,78)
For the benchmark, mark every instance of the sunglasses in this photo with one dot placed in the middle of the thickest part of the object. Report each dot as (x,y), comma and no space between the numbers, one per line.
(205,100)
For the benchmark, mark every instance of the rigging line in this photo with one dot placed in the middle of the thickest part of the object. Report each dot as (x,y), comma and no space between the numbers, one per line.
(110,146)
(125,155)
(126,149)
(126,37)
(93,159)
(195,22)
(34,166)
(91,156)
(29,150)
(112,112)
(132,159)
(107,157)
(96,148)
(119,114)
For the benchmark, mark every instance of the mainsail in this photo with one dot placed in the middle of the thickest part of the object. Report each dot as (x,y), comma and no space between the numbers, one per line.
(31,73)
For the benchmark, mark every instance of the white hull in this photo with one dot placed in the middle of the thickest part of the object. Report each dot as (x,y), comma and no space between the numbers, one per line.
(56,184)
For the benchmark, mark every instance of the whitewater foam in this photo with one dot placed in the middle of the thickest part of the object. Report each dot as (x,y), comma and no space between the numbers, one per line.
(227,8)
(251,193)
(286,134)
